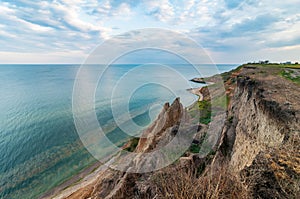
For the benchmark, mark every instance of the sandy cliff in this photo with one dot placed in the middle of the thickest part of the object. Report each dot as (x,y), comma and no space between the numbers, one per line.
(263,132)
(256,156)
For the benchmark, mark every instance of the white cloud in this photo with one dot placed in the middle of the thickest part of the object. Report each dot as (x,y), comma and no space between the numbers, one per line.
(52,22)
(6,34)
(4,9)
(123,10)
(189,4)
(9,15)
(70,14)
(32,26)
(161,9)
(104,7)
(222,26)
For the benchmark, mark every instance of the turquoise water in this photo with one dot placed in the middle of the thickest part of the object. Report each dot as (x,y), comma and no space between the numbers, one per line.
(39,146)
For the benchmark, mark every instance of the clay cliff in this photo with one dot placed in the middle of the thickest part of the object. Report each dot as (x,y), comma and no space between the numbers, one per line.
(256,153)
(262,133)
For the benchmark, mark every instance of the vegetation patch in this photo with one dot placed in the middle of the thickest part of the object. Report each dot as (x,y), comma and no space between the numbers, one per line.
(289,74)
(205,112)
(218,183)
(293,66)
(194,148)
(132,144)
(221,101)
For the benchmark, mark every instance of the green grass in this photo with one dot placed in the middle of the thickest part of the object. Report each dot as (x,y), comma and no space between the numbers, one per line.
(289,75)
(293,66)
(205,120)
(134,142)
(194,148)
(221,101)
(205,112)
(204,108)
(204,105)
(226,75)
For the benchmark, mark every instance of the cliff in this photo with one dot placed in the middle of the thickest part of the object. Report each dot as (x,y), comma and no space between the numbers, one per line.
(133,182)
(262,135)
(257,154)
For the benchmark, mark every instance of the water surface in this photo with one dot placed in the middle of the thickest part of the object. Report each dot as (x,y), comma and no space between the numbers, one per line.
(39,146)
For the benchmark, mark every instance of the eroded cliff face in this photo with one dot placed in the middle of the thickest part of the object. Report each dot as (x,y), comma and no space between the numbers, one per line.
(257,155)
(172,120)
(256,128)
(170,116)
(262,135)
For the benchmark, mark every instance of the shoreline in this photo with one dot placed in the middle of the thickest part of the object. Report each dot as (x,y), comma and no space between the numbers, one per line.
(90,174)
(83,179)
(196,91)
(72,184)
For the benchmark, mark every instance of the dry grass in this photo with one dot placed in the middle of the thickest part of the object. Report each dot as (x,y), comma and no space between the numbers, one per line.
(286,165)
(275,172)
(213,185)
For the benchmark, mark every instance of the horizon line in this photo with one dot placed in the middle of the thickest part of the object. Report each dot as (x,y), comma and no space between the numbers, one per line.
(109,64)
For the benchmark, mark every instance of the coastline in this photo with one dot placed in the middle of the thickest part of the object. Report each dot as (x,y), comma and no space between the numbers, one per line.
(77,181)
(98,181)
(90,174)
(196,91)
(55,161)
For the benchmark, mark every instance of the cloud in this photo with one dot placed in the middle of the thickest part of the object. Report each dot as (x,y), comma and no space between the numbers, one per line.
(161,9)
(232,3)
(254,25)
(285,36)
(221,26)
(71,14)
(108,9)
(54,25)
(250,27)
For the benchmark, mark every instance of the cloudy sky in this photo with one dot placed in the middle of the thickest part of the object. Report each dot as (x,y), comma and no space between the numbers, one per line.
(231,31)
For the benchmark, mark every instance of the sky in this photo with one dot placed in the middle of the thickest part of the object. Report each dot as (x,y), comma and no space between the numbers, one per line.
(230,31)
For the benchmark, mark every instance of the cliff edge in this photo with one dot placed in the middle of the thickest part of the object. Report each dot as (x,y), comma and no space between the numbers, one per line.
(256,156)
(261,137)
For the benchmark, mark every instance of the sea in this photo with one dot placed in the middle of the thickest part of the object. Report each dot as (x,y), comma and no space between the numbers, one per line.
(39,144)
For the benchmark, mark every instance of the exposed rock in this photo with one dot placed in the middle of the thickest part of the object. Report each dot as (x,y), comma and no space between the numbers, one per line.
(169,117)
(198,80)
(260,124)
(258,150)
(172,120)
